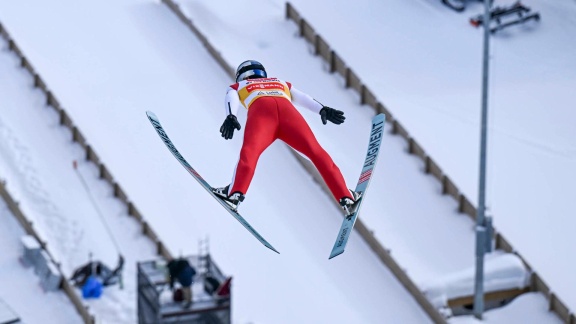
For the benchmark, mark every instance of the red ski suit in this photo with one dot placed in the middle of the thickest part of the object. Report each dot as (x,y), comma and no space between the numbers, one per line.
(271,116)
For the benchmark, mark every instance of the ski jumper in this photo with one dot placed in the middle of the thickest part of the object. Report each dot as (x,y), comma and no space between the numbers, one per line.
(271,115)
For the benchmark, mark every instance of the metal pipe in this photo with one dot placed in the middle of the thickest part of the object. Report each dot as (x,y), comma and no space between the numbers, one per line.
(480,217)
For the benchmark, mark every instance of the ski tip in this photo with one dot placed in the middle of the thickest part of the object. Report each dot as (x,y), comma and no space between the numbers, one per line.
(272,248)
(379,117)
(150,114)
(335,254)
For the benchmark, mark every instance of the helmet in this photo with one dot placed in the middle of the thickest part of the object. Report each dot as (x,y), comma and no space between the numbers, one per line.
(250,69)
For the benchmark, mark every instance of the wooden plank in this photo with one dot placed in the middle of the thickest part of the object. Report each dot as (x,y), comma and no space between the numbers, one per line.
(490,296)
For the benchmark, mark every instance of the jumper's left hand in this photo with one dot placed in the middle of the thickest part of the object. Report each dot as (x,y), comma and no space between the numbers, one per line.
(333,115)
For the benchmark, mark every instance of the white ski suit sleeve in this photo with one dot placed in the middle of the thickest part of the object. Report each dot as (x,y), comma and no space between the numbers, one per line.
(232,102)
(302,99)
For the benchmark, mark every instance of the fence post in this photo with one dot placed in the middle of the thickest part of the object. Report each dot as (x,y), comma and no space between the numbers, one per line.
(102,169)
(410,145)
(48,95)
(551,301)
(159,247)
(36,80)
(461,201)
(88,149)
(444,184)
(427,164)
(332,61)
(288,7)
(394,127)
(75,134)
(116,190)
(348,72)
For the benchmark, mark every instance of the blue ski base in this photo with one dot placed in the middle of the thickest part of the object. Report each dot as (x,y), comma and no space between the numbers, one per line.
(367,171)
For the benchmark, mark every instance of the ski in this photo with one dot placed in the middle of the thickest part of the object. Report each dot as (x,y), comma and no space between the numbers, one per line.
(160,130)
(376,135)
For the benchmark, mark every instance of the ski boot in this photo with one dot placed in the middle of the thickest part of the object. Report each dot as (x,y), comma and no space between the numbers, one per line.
(233,200)
(349,205)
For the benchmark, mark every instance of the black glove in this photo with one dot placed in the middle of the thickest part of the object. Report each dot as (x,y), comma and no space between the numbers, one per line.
(331,114)
(227,128)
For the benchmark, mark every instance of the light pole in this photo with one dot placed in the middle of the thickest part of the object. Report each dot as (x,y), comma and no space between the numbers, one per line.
(483,227)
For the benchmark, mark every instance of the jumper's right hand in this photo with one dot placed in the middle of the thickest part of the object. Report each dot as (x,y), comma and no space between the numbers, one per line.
(227,128)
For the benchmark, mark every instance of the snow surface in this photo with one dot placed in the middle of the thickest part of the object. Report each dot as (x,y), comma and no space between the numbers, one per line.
(425,66)
(502,271)
(403,198)
(19,287)
(36,156)
(107,94)
(129,65)
(428,247)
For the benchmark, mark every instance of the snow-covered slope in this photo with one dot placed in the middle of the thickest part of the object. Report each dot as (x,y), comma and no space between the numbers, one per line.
(143,58)
(20,287)
(36,156)
(425,66)
(107,75)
